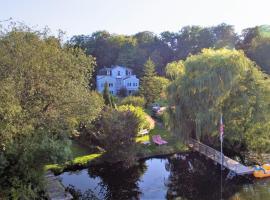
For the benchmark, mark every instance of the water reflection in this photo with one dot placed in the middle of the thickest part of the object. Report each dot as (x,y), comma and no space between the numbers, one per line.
(196,178)
(185,177)
(118,182)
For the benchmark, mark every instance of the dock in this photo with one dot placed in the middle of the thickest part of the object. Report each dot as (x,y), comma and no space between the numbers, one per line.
(215,155)
(55,189)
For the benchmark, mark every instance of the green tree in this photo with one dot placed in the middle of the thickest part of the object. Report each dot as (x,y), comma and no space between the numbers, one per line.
(138,113)
(152,86)
(147,84)
(149,69)
(133,100)
(259,52)
(118,130)
(174,69)
(222,81)
(44,95)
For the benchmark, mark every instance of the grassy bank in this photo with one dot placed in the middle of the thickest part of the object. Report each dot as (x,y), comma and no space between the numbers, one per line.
(83,157)
(152,149)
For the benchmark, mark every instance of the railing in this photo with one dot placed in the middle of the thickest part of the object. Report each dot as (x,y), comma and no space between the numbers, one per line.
(211,153)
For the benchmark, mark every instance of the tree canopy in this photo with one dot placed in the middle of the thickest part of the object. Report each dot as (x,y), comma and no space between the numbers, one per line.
(44,95)
(152,86)
(133,50)
(222,81)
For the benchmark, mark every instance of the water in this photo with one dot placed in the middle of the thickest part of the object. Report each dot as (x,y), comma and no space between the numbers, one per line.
(185,177)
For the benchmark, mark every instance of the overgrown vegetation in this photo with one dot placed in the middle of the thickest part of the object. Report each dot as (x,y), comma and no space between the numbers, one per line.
(133,100)
(44,95)
(222,82)
(151,85)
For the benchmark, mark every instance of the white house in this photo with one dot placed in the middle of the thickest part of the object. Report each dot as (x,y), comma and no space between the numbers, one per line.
(117,77)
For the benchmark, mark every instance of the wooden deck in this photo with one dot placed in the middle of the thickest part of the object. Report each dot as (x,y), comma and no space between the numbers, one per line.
(215,155)
(55,189)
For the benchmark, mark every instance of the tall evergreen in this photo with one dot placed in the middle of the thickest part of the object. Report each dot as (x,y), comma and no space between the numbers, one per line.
(148,83)
(149,69)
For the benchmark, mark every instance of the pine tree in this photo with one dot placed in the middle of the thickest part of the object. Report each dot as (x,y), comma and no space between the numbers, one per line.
(149,68)
(147,86)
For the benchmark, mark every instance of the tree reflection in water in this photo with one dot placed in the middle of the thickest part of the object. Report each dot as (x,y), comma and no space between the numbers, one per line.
(200,181)
(117,181)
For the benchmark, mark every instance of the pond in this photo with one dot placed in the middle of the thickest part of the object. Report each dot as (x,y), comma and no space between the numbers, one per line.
(183,177)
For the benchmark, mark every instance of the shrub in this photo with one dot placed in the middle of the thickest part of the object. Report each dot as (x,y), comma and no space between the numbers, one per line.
(139,114)
(118,130)
(133,100)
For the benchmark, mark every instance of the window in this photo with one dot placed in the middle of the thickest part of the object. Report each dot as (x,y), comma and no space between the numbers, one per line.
(111,92)
(134,84)
(119,73)
(110,84)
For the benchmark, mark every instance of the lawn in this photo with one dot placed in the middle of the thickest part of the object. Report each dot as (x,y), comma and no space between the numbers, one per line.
(82,156)
(174,145)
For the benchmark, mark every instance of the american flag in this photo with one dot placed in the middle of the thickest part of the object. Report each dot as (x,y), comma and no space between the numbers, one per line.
(221,129)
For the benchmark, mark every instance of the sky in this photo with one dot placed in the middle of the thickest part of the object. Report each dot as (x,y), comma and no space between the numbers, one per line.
(131,16)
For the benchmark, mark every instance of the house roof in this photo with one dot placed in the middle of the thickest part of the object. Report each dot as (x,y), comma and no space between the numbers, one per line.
(122,67)
(133,76)
(104,70)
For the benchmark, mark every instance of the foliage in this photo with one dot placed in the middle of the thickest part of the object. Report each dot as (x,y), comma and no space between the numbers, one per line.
(152,86)
(133,51)
(130,51)
(44,95)
(133,100)
(79,161)
(174,69)
(256,45)
(140,115)
(118,130)
(221,81)
(259,52)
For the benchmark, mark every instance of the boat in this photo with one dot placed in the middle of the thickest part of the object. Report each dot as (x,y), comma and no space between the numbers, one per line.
(262,171)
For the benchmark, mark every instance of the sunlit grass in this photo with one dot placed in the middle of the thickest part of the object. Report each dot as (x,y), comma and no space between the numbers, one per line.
(141,139)
(78,161)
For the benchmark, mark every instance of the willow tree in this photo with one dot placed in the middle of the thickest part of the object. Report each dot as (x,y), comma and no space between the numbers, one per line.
(222,82)
(174,69)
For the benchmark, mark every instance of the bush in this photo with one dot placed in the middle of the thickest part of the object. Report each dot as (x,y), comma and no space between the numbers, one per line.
(133,100)
(139,114)
(118,130)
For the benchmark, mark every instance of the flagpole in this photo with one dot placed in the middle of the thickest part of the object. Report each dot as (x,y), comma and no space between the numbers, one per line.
(221,148)
(221,153)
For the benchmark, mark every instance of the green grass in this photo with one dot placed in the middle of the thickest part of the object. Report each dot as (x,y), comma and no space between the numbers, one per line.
(141,139)
(81,155)
(78,150)
(174,145)
(80,161)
